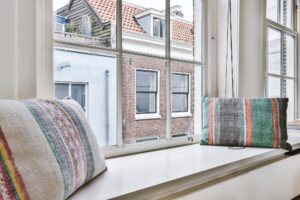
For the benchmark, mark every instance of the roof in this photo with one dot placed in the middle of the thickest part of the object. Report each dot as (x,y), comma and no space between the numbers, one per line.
(106,11)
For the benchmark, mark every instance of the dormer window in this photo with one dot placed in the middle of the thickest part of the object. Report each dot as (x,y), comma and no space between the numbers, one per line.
(158,27)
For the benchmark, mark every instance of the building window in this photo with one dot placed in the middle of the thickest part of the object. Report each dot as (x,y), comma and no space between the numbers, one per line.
(281,52)
(158,27)
(180,92)
(146,92)
(76,91)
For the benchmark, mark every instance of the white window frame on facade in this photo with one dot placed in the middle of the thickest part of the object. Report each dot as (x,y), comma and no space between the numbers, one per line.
(284,31)
(188,113)
(70,90)
(117,50)
(155,115)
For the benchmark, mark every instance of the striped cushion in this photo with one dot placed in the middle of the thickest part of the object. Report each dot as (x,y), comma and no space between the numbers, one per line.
(245,122)
(47,149)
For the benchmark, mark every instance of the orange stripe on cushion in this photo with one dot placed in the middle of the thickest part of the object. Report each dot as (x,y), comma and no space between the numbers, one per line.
(275,124)
(249,122)
(15,180)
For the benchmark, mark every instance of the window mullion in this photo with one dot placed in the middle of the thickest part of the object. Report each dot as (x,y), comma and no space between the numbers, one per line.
(119,72)
(168,71)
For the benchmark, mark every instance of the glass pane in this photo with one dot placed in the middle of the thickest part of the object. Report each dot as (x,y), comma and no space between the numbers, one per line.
(146,81)
(272,10)
(289,86)
(289,55)
(286,16)
(274,51)
(180,83)
(186,108)
(78,94)
(144,114)
(142,32)
(61,90)
(89,23)
(180,103)
(145,103)
(182,30)
(274,87)
(99,72)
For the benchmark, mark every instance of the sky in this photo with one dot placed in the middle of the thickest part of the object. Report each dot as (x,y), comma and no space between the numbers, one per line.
(187,5)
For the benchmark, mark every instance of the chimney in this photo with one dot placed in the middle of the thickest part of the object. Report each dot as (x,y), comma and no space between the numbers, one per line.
(176,12)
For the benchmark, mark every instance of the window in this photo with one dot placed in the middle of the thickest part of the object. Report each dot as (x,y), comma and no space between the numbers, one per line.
(281,52)
(86,26)
(76,91)
(126,53)
(146,92)
(180,92)
(158,27)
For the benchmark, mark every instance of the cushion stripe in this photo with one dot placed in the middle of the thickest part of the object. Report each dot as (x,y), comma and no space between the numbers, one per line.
(14,185)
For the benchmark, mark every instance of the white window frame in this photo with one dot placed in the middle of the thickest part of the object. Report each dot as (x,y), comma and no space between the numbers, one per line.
(155,115)
(283,31)
(70,83)
(188,113)
(124,149)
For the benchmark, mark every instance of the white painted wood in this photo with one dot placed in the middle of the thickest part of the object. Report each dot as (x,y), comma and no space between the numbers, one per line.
(277,181)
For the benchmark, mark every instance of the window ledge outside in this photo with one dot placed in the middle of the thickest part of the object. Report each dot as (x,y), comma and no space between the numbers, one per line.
(147,116)
(150,175)
(181,114)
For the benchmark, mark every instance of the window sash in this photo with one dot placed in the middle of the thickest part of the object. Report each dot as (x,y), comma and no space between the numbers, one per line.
(284,31)
(122,149)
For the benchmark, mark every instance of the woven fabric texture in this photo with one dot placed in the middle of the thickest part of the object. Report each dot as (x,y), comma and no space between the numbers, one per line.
(245,122)
(47,149)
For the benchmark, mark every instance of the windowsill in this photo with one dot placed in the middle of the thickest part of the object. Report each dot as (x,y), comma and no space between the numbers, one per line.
(181,114)
(147,116)
(160,173)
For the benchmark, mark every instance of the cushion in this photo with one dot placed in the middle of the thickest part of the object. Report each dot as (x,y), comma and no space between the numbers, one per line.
(47,149)
(245,122)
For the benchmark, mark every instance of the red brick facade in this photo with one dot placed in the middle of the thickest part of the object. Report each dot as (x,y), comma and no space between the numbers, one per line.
(138,129)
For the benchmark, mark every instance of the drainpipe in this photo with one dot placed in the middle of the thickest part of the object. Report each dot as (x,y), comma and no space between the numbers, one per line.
(107,107)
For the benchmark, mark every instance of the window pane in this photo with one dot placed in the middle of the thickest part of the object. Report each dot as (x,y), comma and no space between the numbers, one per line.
(286,18)
(99,72)
(274,87)
(183,29)
(272,10)
(78,94)
(144,113)
(89,23)
(145,103)
(142,32)
(180,103)
(61,90)
(186,107)
(146,81)
(180,83)
(274,51)
(289,86)
(289,55)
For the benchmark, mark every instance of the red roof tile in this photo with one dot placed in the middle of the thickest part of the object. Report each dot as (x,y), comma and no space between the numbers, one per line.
(106,11)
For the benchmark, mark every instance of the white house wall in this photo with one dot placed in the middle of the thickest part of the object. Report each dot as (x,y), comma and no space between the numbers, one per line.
(90,69)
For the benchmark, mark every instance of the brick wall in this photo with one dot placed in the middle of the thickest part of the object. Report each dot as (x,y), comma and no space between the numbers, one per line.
(137,129)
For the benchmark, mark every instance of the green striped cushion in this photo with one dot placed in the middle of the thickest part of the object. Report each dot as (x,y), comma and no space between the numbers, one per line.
(47,149)
(245,122)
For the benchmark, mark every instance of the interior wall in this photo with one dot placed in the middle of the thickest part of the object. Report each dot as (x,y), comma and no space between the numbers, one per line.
(20,62)
(223,49)
(252,48)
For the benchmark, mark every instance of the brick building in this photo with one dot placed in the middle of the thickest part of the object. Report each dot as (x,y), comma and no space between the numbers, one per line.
(144,81)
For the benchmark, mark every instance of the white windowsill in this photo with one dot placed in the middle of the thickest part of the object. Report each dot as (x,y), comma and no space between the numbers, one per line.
(147,116)
(181,114)
(161,173)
